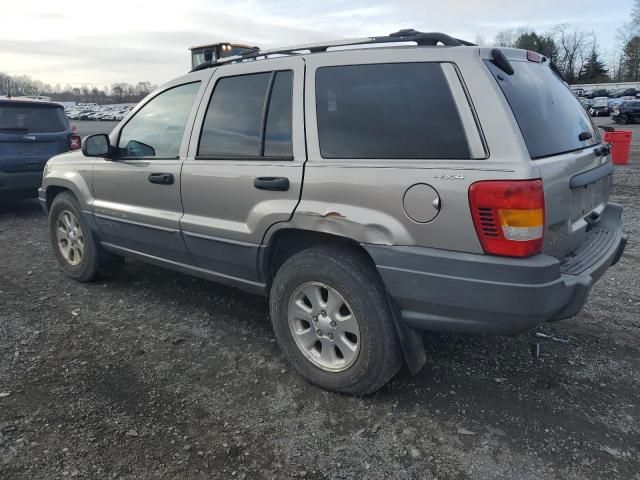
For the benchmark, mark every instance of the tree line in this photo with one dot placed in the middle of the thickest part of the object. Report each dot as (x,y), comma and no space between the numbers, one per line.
(19,85)
(576,52)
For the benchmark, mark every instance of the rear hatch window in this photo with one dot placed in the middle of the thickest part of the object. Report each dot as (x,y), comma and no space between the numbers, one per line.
(27,117)
(550,116)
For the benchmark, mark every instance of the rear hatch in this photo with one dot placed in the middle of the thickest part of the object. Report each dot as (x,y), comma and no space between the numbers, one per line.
(563,143)
(30,134)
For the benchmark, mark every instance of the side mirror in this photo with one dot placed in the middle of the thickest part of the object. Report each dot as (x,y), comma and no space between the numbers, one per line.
(96,145)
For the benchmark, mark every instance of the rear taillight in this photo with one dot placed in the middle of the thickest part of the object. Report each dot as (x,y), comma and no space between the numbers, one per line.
(508,216)
(75,142)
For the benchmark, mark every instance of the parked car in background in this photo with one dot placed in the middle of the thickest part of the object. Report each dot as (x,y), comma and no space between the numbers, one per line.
(586,102)
(31,132)
(598,93)
(625,92)
(600,107)
(98,112)
(492,215)
(617,101)
(626,112)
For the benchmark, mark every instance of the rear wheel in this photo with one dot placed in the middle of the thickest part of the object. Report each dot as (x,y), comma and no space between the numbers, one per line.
(74,244)
(331,318)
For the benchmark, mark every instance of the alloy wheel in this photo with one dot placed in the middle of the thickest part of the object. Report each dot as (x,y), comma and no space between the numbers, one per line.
(324,326)
(70,238)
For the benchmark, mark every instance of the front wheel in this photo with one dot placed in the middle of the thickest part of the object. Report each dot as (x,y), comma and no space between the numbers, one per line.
(621,119)
(332,320)
(73,242)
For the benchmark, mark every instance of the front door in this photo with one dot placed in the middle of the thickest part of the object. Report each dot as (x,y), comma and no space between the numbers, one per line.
(137,204)
(243,172)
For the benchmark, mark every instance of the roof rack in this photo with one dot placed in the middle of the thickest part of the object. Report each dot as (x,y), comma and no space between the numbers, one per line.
(407,35)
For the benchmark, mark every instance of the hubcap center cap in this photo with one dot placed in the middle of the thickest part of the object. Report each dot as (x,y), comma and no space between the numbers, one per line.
(324,324)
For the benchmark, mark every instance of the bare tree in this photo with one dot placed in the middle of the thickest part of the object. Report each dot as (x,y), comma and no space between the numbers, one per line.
(509,38)
(121,92)
(574,47)
(480,40)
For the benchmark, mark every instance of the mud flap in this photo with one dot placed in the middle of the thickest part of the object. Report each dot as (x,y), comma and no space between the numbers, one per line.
(410,340)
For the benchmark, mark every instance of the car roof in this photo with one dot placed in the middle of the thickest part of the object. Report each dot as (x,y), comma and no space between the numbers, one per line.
(343,50)
(401,37)
(27,101)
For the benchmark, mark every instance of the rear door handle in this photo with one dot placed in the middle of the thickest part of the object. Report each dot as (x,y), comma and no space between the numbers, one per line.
(161,178)
(274,184)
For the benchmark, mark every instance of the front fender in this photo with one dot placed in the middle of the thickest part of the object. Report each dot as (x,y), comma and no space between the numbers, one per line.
(72,172)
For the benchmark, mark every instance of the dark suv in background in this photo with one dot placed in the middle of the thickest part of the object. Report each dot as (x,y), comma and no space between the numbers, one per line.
(31,132)
(626,112)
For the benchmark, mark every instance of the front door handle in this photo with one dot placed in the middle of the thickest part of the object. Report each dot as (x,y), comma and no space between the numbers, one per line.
(274,184)
(161,178)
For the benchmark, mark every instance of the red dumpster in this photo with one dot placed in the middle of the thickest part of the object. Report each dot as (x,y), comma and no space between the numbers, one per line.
(621,142)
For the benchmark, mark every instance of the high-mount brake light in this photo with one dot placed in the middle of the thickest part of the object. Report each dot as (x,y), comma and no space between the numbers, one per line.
(534,56)
(508,216)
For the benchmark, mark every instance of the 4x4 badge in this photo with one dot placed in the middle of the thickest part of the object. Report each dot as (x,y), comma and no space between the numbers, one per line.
(446,176)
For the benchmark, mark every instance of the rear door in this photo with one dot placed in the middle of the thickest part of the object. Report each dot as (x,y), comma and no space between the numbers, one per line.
(243,172)
(561,141)
(137,203)
(30,134)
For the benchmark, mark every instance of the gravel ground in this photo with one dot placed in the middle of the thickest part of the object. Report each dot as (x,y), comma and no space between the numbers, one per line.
(156,375)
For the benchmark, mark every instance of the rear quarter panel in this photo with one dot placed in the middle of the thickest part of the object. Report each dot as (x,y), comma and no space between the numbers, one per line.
(363,199)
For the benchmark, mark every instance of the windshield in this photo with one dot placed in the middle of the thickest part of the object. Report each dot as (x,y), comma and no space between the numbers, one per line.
(35,118)
(549,115)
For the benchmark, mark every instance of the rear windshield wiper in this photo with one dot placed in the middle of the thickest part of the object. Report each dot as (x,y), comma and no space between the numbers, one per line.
(584,136)
(501,61)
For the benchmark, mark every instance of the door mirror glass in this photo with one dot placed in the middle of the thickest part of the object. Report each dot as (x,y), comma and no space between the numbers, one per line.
(139,149)
(96,145)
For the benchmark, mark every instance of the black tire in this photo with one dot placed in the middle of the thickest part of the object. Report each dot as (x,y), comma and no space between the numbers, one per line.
(95,261)
(353,276)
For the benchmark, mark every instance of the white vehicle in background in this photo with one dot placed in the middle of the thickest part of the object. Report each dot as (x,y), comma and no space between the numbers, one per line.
(85,111)
(600,107)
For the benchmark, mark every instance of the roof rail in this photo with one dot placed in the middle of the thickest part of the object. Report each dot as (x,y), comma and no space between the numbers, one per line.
(407,35)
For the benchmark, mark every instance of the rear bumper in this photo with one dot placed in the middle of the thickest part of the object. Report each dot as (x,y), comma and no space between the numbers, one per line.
(470,293)
(20,181)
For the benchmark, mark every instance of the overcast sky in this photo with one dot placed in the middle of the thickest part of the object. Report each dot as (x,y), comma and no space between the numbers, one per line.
(101,42)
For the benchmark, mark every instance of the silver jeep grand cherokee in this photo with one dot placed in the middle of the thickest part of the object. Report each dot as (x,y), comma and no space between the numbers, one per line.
(371,193)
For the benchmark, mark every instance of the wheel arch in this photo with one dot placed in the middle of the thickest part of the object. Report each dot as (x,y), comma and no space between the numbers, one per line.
(53,191)
(286,242)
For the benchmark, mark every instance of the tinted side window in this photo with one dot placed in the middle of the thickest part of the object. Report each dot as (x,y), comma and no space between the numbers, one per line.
(277,135)
(232,125)
(395,110)
(156,130)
